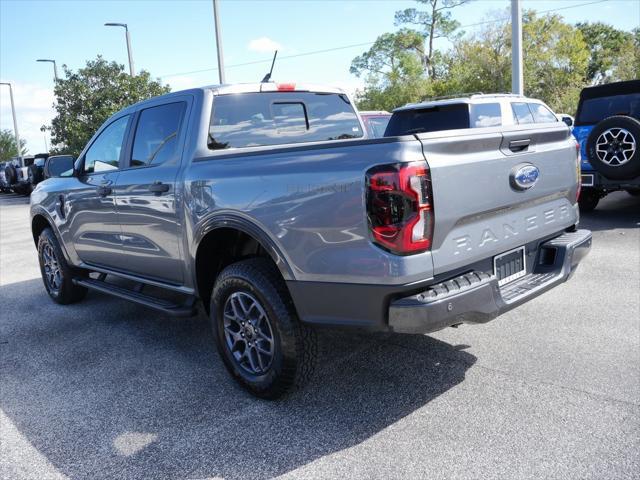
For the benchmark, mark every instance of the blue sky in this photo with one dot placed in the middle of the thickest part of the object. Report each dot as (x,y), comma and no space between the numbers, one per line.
(174,40)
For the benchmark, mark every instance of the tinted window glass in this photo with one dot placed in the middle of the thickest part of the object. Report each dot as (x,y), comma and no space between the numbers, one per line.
(486,115)
(104,154)
(433,119)
(595,109)
(275,118)
(377,125)
(156,138)
(542,114)
(522,113)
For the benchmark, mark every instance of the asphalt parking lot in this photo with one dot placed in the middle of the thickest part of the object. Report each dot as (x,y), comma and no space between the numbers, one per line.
(107,389)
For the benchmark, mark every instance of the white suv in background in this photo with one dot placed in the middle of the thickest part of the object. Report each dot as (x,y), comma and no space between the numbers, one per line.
(474,111)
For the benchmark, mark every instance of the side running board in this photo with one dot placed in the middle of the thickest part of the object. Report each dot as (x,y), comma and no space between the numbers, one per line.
(167,307)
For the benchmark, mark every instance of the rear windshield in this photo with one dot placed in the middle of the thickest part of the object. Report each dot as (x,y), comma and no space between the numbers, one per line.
(276,118)
(593,110)
(432,119)
(444,117)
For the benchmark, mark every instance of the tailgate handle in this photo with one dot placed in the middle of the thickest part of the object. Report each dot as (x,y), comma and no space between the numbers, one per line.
(519,145)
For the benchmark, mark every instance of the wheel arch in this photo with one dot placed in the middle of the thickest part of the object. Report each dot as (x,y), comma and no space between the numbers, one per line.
(228,239)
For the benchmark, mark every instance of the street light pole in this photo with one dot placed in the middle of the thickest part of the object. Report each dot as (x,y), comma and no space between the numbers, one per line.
(15,122)
(128,37)
(517,80)
(55,67)
(216,21)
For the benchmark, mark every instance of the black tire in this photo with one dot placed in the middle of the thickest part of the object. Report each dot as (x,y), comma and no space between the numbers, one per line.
(634,193)
(10,174)
(64,291)
(35,175)
(589,198)
(293,346)
(610,159)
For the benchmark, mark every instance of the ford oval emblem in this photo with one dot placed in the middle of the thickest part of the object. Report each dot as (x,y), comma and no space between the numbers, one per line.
(524,176)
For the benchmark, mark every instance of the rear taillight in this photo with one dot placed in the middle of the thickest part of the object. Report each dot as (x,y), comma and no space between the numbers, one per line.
(578,171)
(400,207)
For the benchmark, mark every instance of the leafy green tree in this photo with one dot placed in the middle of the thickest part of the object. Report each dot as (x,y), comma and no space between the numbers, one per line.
(86,98)
(556,58)
(434,22)
(479,63)
(393,71)
(611,52)
(8,147)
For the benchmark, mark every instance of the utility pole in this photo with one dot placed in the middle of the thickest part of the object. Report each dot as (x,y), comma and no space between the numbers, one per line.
(132,71)
(216,21)
(15,122)
(55,68)
(517,78)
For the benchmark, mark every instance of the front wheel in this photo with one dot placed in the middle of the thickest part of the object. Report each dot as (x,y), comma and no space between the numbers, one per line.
(57,274)
(258,334)
(588,200)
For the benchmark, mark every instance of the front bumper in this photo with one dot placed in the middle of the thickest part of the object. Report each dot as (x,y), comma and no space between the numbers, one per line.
(475,297)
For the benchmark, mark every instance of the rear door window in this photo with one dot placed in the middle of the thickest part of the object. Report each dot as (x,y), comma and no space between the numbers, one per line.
(542,114)
(277,118)
(486,115)
(376,125)
(522,113)
(156,139)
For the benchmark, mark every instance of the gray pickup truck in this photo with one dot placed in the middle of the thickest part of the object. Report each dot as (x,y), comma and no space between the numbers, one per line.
(268,203)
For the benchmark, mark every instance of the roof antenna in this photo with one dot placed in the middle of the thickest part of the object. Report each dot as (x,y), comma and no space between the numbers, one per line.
(267,77)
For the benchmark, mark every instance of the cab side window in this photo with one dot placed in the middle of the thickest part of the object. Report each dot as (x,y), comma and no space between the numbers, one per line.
(104,154)
(156,139)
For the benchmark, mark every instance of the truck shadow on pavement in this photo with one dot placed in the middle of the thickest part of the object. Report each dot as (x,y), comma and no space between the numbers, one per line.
(107,389)
(617,210)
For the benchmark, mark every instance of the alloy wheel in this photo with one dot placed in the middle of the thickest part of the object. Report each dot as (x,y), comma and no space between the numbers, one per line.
(615,146)
(52,271)
(248,333)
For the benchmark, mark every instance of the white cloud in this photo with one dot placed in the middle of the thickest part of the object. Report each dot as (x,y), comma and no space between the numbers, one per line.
(34,108)
(263,44)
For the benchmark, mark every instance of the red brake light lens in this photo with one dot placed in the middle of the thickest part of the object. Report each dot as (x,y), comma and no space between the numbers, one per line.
(400,207)
(286,87)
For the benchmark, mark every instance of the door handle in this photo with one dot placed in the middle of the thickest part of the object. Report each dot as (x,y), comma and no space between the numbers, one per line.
(159,188)
(519,145)
(103,190)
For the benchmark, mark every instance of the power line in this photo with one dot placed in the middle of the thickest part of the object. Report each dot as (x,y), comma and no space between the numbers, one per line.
(366,44)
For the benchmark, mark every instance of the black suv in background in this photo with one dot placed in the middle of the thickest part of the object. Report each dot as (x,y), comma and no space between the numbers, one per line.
(607,126)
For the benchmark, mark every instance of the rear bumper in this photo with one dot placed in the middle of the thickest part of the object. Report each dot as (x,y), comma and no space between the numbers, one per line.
(593,179)
(476,297)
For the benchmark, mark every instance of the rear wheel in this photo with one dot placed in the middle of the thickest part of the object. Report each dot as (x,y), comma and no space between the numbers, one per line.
(258,334)
(613,147)
(589,198)
(57,274)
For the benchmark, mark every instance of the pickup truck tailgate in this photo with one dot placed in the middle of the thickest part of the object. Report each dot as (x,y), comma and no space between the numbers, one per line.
(480,211)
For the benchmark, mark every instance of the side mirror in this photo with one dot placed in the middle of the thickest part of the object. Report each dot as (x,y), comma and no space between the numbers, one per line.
(568,120)
(59,166)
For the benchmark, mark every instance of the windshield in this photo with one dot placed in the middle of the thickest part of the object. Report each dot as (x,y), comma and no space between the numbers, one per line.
(593,110)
